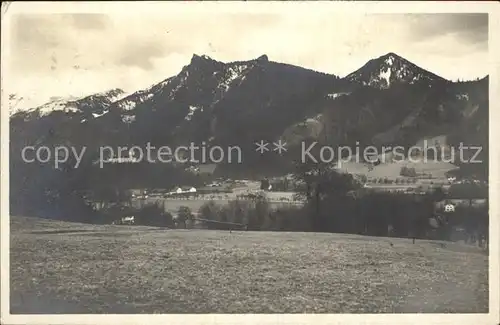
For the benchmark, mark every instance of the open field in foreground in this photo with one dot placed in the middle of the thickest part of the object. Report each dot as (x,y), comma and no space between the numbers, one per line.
(59,267)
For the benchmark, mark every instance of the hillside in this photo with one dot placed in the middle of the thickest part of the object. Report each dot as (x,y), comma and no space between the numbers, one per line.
(388,101)
(60,267)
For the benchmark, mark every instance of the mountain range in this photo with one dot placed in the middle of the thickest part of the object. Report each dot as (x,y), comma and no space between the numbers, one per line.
(387,101)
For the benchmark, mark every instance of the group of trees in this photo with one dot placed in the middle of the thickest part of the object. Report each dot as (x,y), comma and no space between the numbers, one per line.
(408,172)
(337,203)
(256,214)
(67,192)
(385,180)
(372,214)
(41,190)
(278,184)
(152,214)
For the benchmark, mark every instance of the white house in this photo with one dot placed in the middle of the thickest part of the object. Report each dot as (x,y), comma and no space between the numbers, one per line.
(184,190)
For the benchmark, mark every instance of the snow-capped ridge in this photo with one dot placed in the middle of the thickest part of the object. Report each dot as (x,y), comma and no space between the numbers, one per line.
(108,96)
(73,104)
(201,67)
(390,69)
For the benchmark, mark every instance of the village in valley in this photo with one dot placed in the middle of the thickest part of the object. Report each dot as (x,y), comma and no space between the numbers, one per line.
(184,204)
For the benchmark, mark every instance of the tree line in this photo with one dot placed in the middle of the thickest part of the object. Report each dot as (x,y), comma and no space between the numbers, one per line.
(334,202)
(337,203)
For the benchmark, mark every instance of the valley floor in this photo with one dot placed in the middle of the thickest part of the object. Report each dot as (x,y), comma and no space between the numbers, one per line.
(60,267)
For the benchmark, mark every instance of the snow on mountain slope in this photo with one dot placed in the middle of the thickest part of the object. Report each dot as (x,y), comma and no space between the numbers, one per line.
(94,105)
(95,115)
(62,104)
(391,69)
(337,95)
(192,109)
(16,103)
(201,84)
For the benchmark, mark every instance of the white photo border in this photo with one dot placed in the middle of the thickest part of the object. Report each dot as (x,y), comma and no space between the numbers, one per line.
(294,7)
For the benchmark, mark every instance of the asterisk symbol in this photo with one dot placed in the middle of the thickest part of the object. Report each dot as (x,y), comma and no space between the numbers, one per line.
(280,146)
(262,146)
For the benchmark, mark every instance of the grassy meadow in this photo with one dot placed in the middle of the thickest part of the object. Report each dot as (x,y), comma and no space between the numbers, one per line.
(62,267)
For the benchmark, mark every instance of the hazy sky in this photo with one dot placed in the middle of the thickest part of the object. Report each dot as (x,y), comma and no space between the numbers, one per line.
(64,54)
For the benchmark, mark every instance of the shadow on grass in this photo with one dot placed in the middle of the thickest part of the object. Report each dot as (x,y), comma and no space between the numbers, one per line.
(105,234)
(46,232)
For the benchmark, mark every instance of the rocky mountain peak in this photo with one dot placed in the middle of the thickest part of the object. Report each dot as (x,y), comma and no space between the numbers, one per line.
(390,69)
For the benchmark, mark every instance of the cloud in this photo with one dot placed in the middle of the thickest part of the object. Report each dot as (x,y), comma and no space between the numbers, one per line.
(33,31)
(141,55)
(472,28)
(56,42)
(142,43)
(90,21)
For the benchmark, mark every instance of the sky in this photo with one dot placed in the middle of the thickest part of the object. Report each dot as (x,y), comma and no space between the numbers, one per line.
(79,54)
